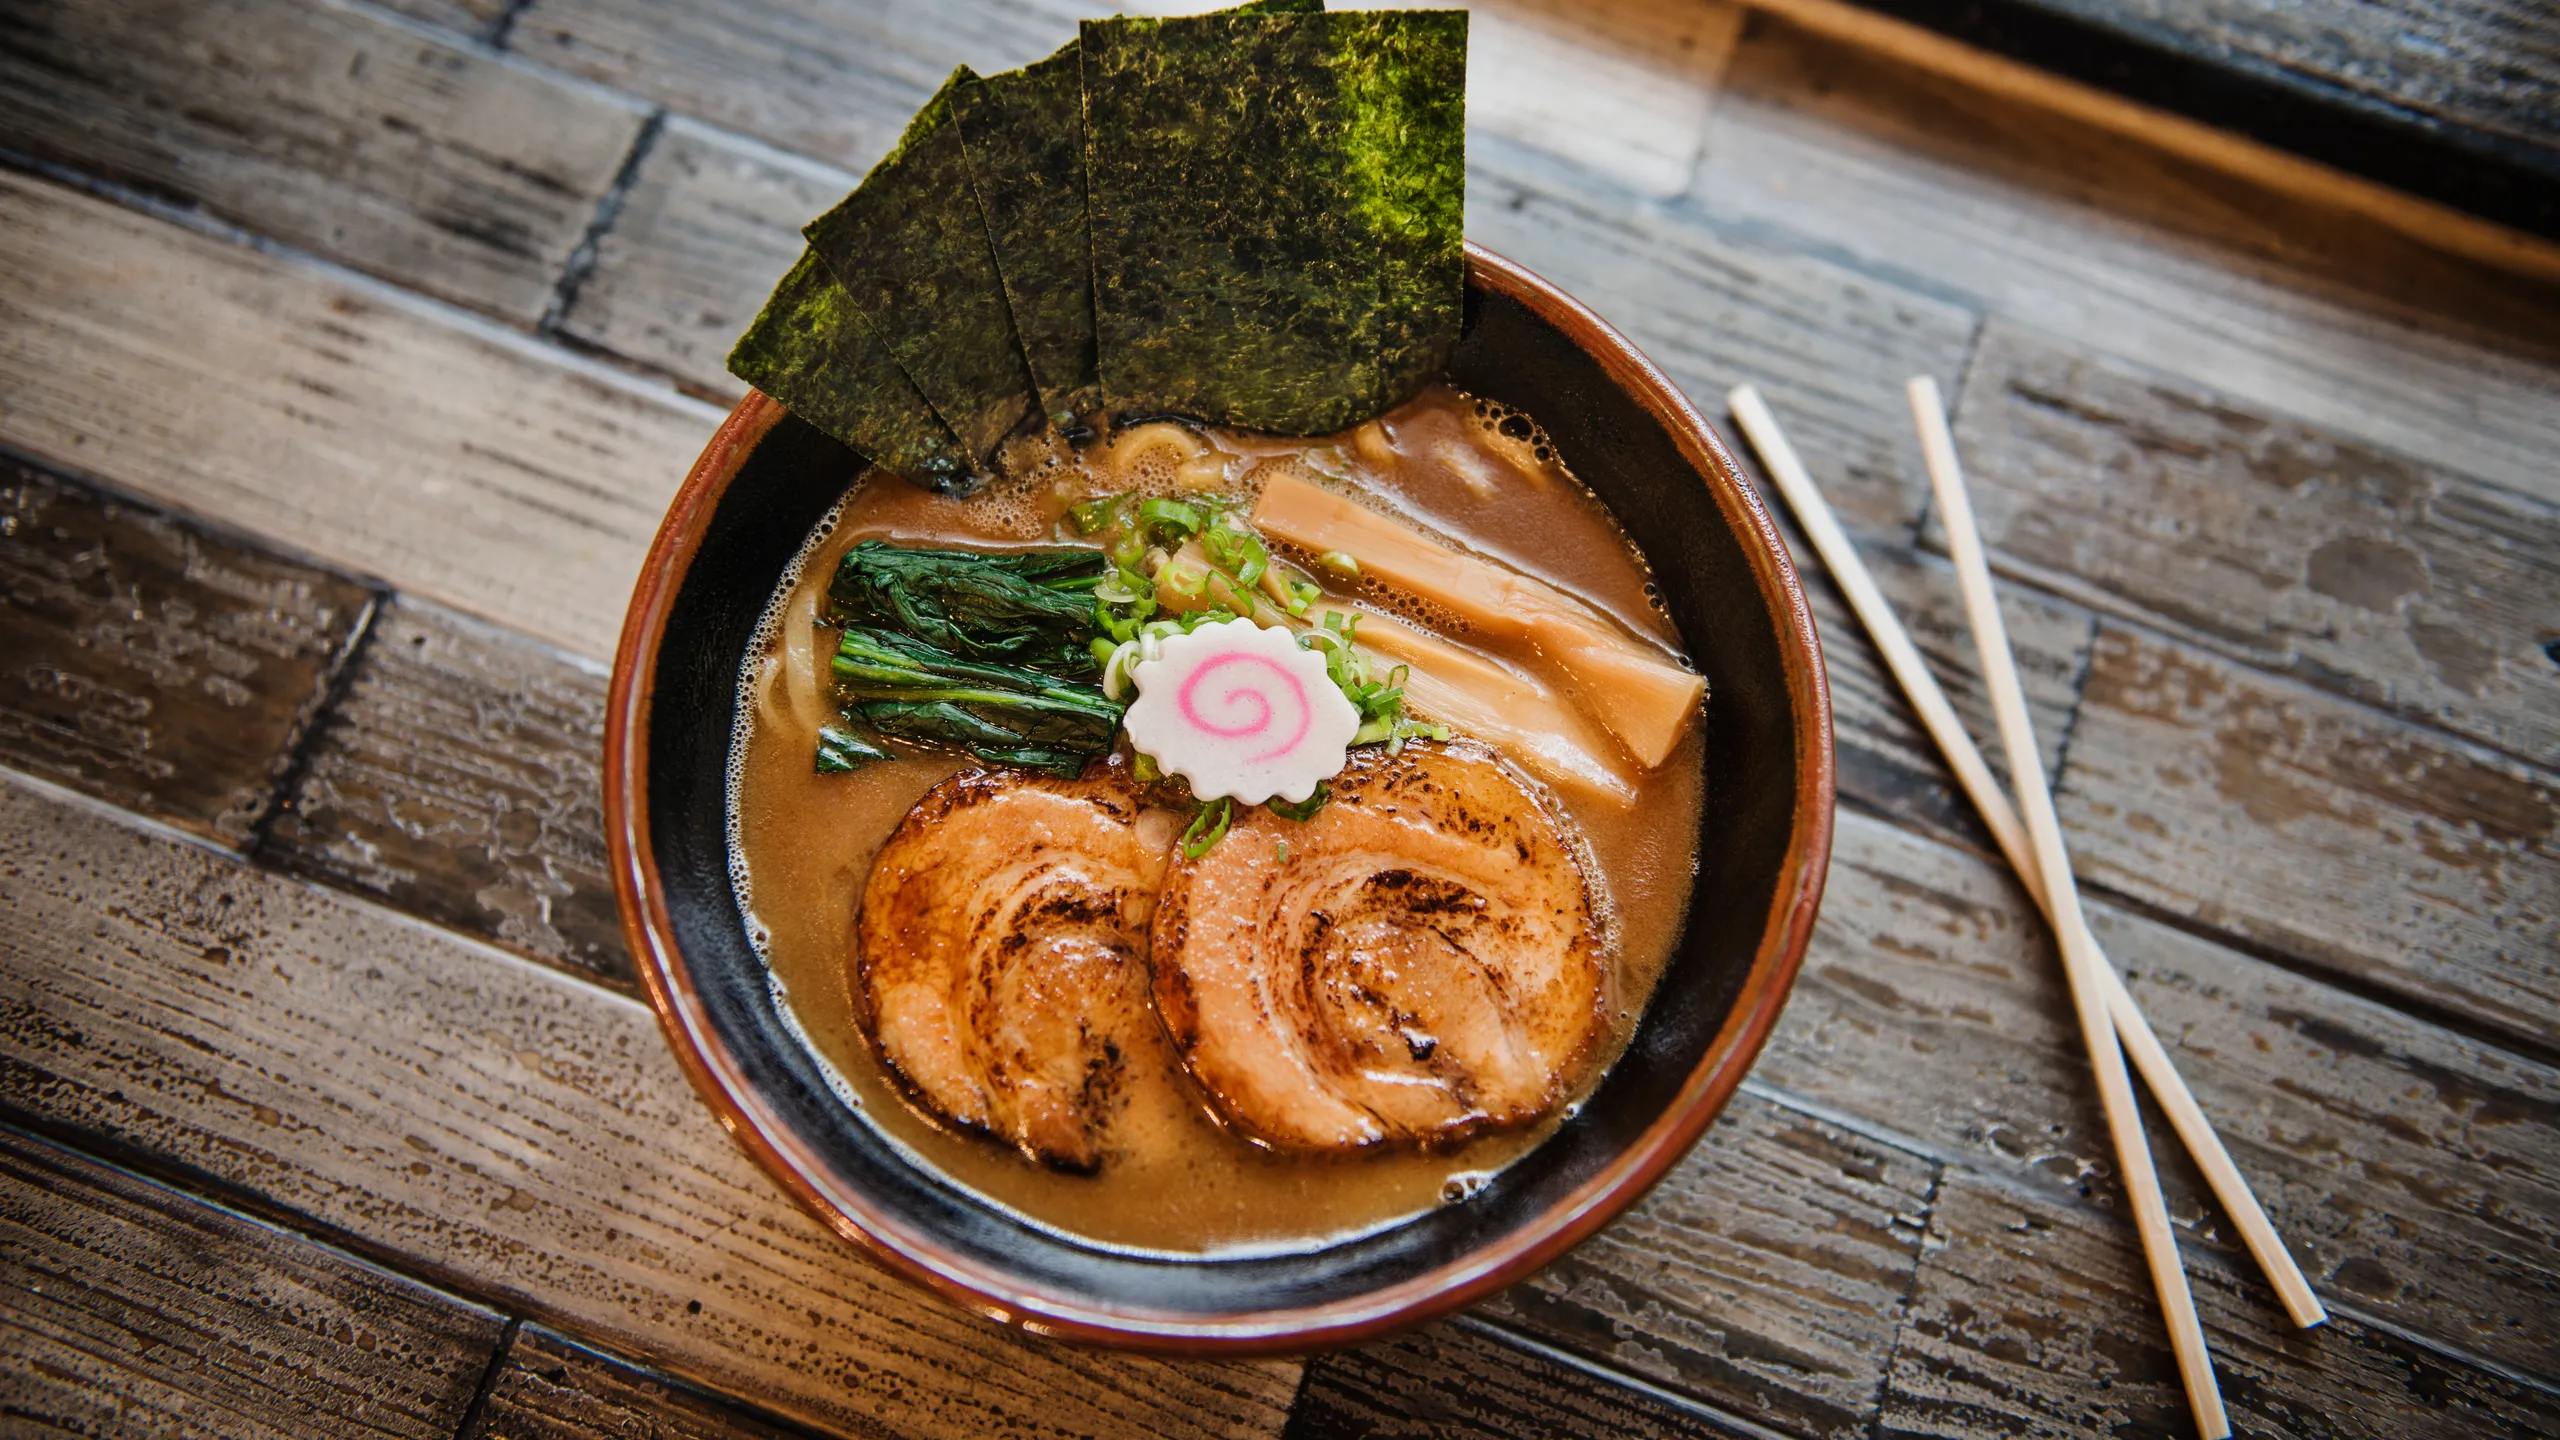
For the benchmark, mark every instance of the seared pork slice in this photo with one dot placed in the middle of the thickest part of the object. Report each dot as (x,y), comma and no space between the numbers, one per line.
(1002,956)
(1418,962)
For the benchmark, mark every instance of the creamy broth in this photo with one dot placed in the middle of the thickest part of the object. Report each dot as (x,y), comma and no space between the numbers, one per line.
(1177,1180)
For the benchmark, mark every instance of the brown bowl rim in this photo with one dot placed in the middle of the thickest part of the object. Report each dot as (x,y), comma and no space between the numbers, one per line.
(706,1060)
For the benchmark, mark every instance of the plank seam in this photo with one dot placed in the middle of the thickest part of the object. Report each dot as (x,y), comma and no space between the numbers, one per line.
(502,29)
(1608,1375)
(1910,1291)
(475,1416)
(305,741)
(582,260)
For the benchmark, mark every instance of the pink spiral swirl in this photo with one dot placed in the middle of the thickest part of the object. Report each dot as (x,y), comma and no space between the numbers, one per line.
(1243,697)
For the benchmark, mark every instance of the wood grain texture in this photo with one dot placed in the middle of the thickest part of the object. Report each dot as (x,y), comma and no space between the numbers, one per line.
(499,1126)
(2035,1317)
(152,664)
(1621,90)
(341,418)
(1763,1275)
(1887,762)
(2401,584)
(711,224)
(387,147)
(2411,862)
(552,1388)
(2490,65)
(457,778)
(2295,308)
(1464,1382)
(831,81)
(130,1309)
(2408,1167)
(1830,347)
(475,18)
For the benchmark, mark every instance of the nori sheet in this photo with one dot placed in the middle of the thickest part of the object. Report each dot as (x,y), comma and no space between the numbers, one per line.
(813,350)
(1023,132)
(1277,209)
(911,249)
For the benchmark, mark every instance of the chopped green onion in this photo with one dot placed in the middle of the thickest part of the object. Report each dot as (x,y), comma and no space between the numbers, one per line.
(1340,563)
(1306,809)
(1169,521)
(1202,836)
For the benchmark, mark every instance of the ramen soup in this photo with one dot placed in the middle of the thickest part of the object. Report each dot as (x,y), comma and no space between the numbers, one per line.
(1197,1129)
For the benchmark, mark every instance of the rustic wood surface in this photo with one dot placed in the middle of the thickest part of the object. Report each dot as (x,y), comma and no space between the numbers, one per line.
(352,351)
(152,664)
(131,1309)
(552,1388)
(458,779)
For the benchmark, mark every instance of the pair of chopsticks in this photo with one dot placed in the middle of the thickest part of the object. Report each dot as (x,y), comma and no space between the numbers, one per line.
(2108,1016)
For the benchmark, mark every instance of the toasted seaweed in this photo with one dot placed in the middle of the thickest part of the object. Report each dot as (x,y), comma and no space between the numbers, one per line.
(1023,132)
(813,350)
(1277,212)
(911,249)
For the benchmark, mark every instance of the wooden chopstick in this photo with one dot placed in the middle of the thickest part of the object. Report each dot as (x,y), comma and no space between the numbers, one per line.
(1939,717)
(2079,963)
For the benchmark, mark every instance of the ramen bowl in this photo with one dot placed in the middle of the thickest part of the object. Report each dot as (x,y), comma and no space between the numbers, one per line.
(1725,581)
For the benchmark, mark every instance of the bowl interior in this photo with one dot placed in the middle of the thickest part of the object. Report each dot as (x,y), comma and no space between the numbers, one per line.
(1766,826)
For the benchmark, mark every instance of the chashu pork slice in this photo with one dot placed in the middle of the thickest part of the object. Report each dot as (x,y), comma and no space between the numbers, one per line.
(1421,962)
(1001,956)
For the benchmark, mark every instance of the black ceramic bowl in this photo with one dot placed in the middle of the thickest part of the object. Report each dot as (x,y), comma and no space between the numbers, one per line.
(753,498)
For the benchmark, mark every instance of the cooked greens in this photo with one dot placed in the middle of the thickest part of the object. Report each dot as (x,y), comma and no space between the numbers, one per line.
(1034,609)
(1276,206)
(910,248)
(897,685)
(812,350)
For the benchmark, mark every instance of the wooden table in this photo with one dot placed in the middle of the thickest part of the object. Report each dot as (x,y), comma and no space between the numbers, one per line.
(347,358)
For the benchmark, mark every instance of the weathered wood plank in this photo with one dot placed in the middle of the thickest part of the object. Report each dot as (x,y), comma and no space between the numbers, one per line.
(510,1130)
(390,148)
(1461,1382)
(457,778)
(711,224)
(476,18)
(2413,863)
(2294,307)
(130,1309)
(150,663)
(1764,1274)
(2411,1169)
(1830,346)
(2035,1316)
(1886,761)
(552,1388)
(834,82)
(2401,584)
(1621,90)
(2489,65)
(341,418)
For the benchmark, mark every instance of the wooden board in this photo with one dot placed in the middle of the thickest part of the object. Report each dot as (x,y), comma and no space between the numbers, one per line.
(1622,91)
(711,225)
(457,778)
(1763,1275)
(365,139)
(2407,861)
(1992,203)
(2406,1165)
(150,663)
(2452,100)
(2397,582)
(1887,762)
(130,1309)
(1829,346)
(1462,1381)
(833,82)
(341,418)
(549,1387)
(521,1135)
(2035,1317)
